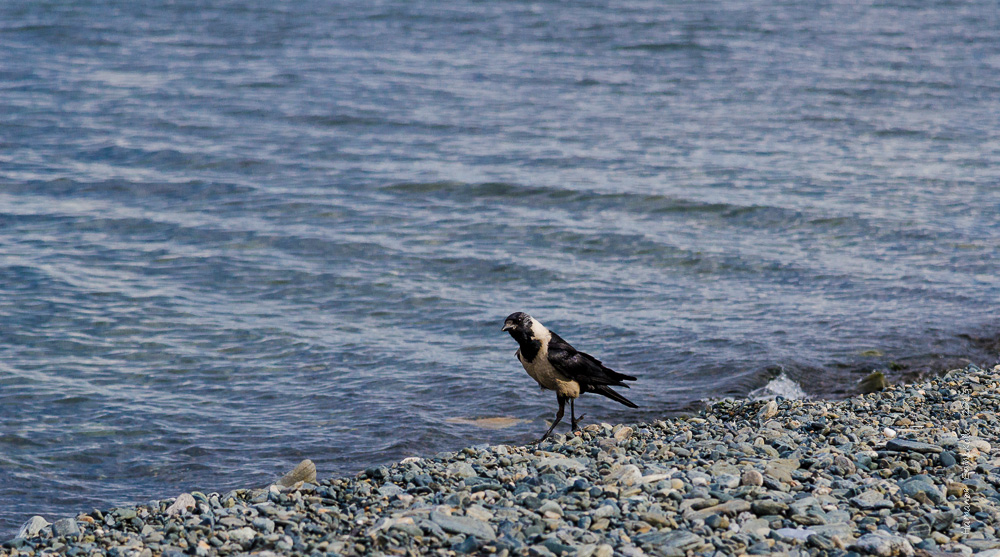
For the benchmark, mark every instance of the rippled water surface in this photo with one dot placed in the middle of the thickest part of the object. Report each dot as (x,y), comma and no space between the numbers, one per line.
(238,234)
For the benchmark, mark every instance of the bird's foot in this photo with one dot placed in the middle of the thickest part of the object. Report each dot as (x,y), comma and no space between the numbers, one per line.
(576,423)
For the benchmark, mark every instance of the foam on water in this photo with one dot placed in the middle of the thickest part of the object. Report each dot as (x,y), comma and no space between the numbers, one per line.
(783,386)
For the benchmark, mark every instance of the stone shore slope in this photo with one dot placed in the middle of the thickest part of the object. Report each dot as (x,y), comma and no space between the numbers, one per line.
(907,471)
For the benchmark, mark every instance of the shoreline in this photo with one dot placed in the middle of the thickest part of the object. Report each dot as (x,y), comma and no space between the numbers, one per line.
(904,471)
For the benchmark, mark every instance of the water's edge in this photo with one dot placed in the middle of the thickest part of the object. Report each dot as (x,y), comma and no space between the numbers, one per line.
(760,451)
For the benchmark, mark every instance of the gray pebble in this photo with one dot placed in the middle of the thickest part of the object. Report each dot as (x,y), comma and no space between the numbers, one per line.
(871,500)
(390,490)
(65,527)
(540,551)
(768,507)
(32,527)
(469,545)
(914,487)
(884,545)
(907,445)
(464,525)
(263,524)
(674,542)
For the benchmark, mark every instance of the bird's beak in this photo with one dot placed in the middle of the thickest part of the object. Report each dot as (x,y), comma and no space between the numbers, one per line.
(507,326)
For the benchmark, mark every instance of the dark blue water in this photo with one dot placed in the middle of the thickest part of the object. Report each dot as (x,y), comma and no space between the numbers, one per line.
(238,234)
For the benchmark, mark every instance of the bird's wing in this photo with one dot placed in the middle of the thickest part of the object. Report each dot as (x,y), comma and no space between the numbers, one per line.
(582,367)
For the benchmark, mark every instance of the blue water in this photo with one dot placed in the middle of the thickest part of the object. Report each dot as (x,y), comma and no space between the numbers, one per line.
(238,234)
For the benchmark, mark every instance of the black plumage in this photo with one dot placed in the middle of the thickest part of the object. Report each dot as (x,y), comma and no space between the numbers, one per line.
(557,366)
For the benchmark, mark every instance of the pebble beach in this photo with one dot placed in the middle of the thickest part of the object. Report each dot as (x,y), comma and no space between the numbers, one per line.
(910,470)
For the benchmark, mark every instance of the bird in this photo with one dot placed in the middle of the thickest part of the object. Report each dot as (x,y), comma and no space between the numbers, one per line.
(559,367)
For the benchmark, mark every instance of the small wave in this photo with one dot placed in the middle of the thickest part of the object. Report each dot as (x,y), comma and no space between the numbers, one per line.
(783,386)
(665,47)
(483,189)
(633,202)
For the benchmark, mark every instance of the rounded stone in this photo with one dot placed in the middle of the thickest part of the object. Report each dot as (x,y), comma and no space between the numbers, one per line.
(947,459)
(752,478)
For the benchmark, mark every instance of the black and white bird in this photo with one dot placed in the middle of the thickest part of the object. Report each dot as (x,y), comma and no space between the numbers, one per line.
(559,367)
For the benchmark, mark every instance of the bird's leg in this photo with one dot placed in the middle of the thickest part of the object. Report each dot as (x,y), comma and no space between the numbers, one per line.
(574,421)
(559,415)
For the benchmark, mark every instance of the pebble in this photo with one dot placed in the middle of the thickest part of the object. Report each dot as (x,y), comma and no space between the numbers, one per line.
(673,542)
(242,535)
(871,500)
(794,477)
(769,411)
(907,445)
(764,507)
(183,503)
(462,470)
(65,527)
(33,526)
(464,525)
(626,475)
(304,472)
(752,478)
(884,545)
(917,487)
(604,550)
(956,489)
(262,524)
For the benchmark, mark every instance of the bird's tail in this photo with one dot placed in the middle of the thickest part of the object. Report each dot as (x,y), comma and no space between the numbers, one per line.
(620,376)
(606,391)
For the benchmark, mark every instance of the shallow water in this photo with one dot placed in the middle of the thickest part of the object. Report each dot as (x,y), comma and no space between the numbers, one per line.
(241,235)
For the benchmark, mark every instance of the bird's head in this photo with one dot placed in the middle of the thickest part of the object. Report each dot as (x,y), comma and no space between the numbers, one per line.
(518,324)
